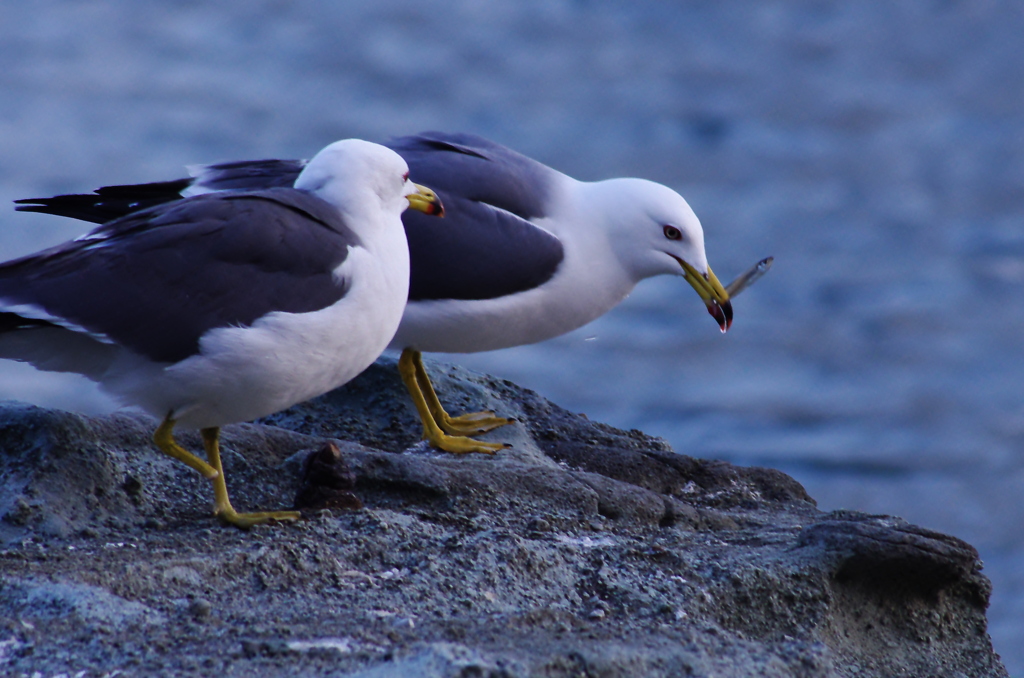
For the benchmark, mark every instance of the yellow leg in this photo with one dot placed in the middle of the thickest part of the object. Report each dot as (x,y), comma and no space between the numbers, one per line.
(164,439)
(410,366)
(464,425)
(222,504)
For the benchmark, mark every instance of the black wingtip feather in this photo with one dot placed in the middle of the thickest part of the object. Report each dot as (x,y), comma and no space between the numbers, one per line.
(10,322)
(107,203)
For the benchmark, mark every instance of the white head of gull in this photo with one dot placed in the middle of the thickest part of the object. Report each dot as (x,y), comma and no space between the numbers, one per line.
(225,307)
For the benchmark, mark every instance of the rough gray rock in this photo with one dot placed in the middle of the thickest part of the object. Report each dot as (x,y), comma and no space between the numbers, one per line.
(581,551)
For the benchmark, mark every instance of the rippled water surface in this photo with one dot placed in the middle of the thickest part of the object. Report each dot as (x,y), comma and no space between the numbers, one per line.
(876,149)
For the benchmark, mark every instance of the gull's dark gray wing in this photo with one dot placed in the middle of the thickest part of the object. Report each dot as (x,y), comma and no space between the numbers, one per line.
(476,169)
(247,175)
(157,280)
(486,246)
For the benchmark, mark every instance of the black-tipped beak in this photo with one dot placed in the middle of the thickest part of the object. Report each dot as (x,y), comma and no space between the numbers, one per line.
(722,313)
(426,201)
(711,291)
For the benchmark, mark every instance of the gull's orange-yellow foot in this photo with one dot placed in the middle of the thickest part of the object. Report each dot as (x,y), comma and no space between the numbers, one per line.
(213,471)
(450,434)
(222,503)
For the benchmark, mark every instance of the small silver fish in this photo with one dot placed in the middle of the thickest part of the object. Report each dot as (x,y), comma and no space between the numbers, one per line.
(748,278)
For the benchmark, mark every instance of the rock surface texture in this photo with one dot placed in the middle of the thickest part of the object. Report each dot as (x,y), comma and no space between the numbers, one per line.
(581,551)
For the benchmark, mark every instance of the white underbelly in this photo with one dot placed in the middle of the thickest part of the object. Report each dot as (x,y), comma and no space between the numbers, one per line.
(282,359)
(469,326)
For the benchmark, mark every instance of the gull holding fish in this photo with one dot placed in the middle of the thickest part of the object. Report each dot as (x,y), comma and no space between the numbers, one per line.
(526,253)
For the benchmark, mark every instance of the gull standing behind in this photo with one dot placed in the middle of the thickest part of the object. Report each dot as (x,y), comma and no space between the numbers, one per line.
(526,253)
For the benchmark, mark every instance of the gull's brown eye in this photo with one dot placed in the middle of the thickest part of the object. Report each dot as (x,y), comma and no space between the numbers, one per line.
(405,177)
(673,233)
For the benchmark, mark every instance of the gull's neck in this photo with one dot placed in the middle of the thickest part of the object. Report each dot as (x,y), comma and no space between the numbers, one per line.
(598,228)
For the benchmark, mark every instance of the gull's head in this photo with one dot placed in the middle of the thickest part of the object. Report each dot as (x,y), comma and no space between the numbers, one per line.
(655,232)
(356,175)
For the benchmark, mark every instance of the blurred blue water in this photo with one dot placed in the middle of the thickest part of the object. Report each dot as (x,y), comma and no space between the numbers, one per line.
(876,149)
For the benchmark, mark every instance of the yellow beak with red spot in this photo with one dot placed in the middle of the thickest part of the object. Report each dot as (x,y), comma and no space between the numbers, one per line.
(426,201)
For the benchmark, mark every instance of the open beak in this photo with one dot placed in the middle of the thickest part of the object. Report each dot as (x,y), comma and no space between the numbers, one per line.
(712,292)
(426,201)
